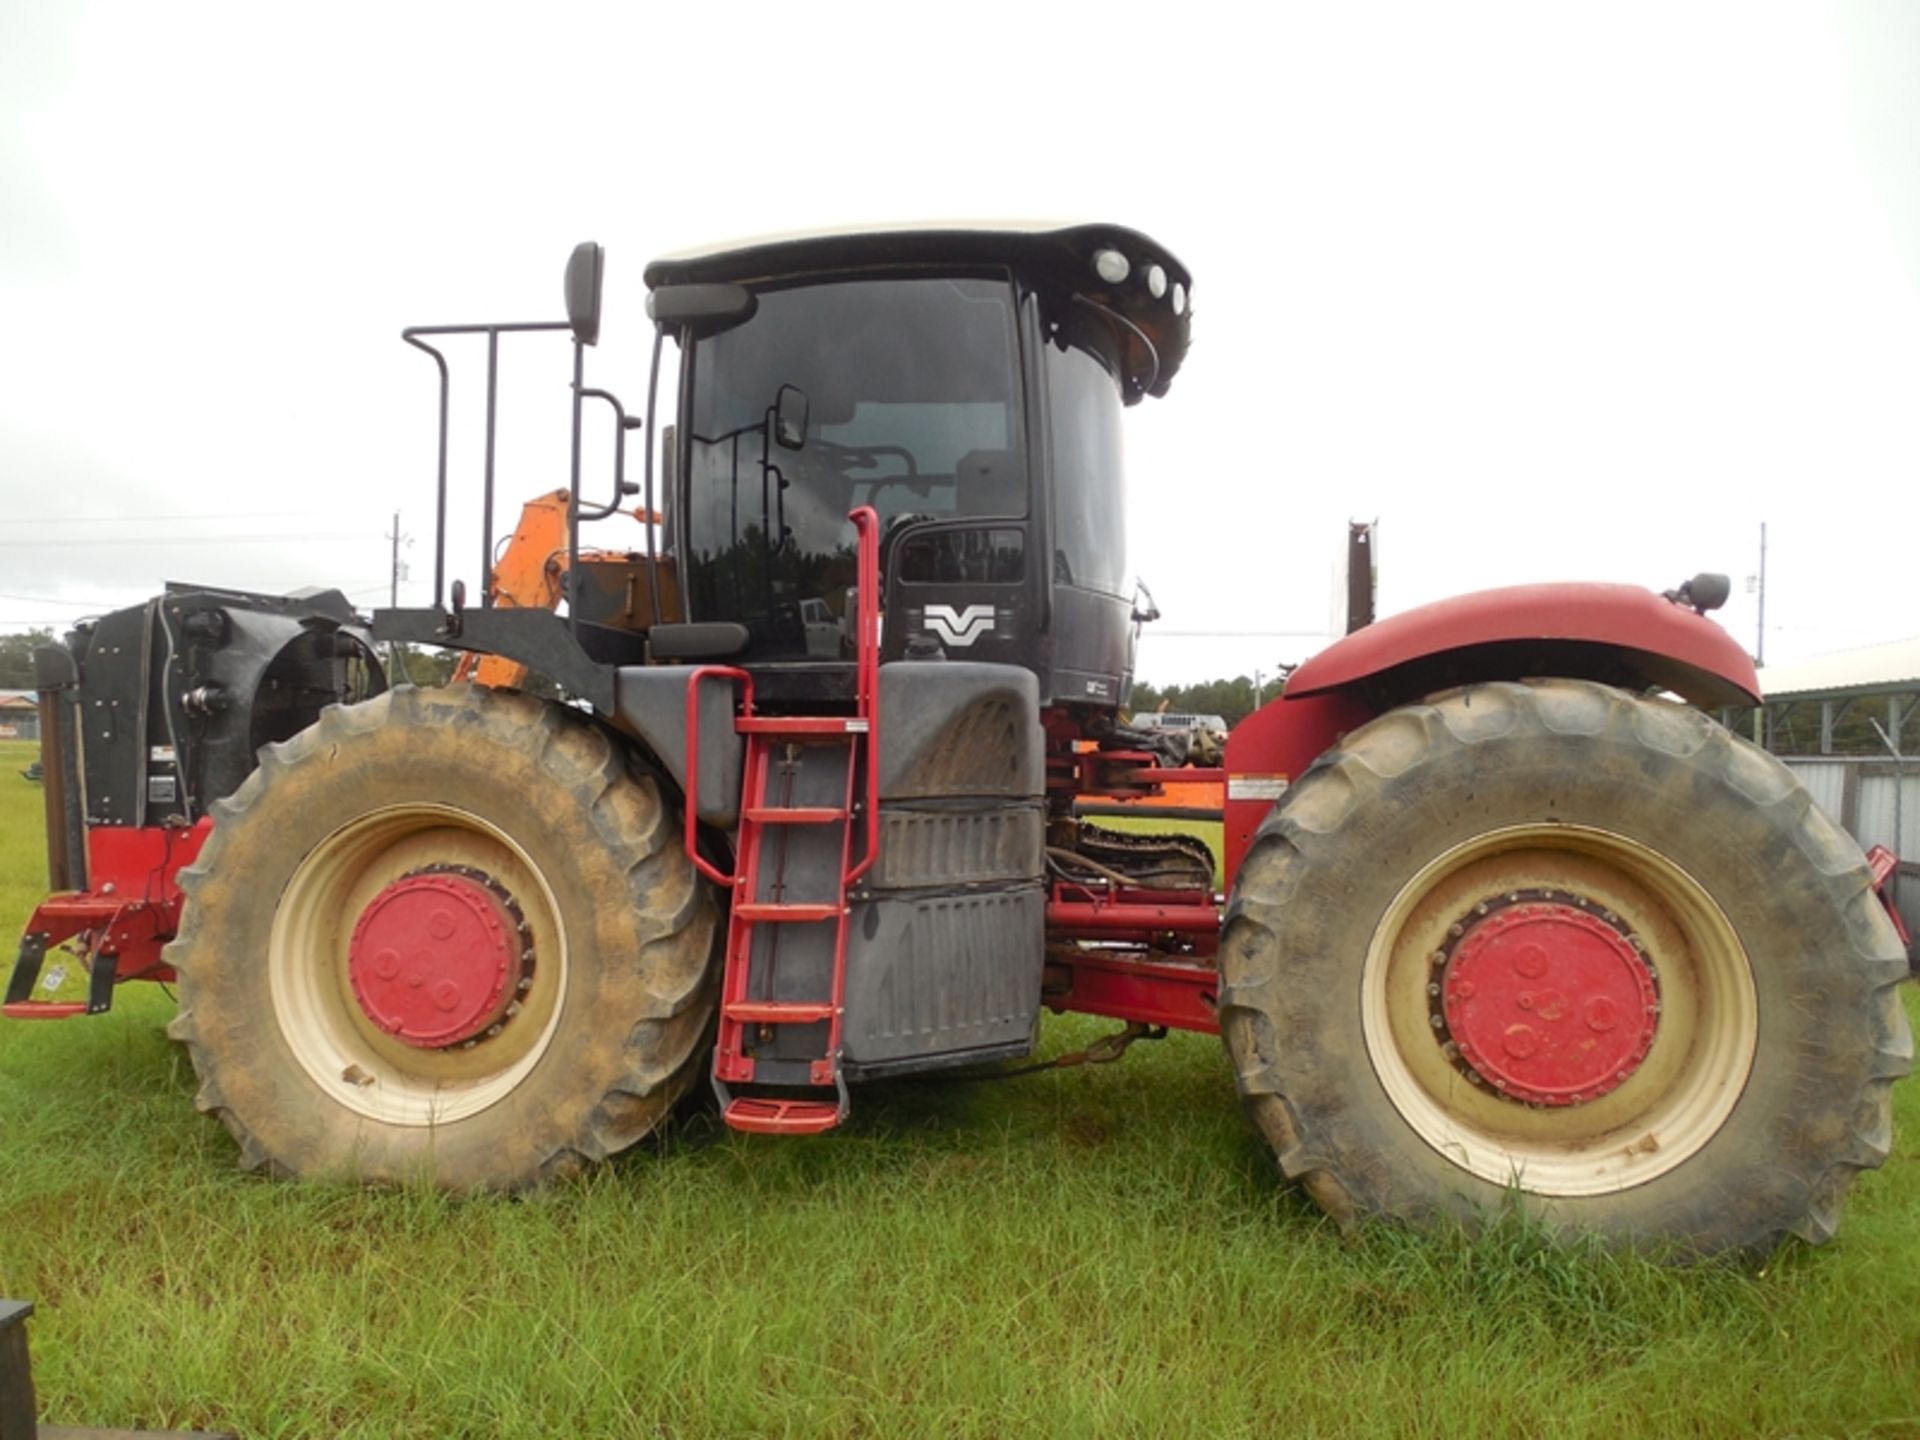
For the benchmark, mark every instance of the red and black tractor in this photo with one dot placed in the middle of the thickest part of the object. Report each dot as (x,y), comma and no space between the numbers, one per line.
(787,789)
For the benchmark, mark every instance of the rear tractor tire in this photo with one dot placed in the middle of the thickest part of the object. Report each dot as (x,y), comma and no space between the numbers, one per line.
(446,936)
(1558,939)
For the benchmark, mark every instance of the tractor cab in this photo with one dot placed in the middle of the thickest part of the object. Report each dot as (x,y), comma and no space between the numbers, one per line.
(964,383)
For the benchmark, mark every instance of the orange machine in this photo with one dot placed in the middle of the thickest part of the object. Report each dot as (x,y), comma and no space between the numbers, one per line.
(530,573)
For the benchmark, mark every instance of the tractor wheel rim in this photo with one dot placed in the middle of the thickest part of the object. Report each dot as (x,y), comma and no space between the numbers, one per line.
(437,957)
(1546,999)
(1625,929)
(324,957)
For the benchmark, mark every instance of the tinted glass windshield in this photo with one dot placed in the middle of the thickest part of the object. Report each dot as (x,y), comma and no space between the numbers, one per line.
(910,389)
(1089,501)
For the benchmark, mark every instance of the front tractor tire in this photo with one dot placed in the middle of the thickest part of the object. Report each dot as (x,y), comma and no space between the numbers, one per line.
(447,936)
(1556,939)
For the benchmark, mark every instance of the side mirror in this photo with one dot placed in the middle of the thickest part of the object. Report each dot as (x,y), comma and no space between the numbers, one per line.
(701,310)
(790,417)
(584,269)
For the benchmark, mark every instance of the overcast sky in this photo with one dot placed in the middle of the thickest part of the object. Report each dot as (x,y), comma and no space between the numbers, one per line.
(1553,292)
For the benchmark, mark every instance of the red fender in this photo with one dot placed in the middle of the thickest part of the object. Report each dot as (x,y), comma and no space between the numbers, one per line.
(1669,644)
(1615,633)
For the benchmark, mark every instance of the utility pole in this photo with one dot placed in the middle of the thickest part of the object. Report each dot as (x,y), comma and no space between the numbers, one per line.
(395,661)
(1757,584)
(393,595)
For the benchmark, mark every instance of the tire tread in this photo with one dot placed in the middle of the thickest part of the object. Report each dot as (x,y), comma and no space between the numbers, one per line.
(667,1041)
(1332,793)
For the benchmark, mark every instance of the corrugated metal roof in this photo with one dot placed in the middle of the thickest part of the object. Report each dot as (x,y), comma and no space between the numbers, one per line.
(1889,667)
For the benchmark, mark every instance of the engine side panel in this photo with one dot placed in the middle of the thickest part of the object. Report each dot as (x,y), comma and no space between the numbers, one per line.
(938,974)
(949,932)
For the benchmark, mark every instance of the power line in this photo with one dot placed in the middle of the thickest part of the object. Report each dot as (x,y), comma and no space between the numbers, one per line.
(1157,634)
(162,519)
(56,600)
(157,540)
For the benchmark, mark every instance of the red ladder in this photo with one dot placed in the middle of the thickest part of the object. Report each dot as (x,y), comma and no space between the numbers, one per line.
(743,1018)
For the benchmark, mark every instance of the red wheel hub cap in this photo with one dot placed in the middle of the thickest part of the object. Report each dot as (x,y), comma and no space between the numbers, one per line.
(435,959)
(1549,1003)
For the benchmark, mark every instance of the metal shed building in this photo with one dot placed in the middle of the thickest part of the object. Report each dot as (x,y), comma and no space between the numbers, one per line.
(19,715)
(1848,724)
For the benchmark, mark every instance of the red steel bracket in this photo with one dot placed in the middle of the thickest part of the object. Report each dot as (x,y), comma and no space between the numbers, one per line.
(1883,864)
(1119,984)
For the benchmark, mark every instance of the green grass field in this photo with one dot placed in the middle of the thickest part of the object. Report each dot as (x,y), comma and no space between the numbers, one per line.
(1097,1252)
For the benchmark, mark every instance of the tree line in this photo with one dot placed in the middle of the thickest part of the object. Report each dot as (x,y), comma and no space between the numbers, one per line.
(1232,700)
(16,658)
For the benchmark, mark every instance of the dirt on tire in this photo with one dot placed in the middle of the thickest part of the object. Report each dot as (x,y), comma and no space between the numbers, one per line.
(626,931)
(1828,1035)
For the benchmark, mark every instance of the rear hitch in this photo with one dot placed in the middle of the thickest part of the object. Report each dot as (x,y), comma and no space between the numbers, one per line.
(102,971)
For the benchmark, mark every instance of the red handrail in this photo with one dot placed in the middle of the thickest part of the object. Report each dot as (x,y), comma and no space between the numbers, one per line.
(866,521)
(867,626)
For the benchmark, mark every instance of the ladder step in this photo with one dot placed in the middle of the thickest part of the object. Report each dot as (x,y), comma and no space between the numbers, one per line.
(776,815)
(824,725)
(781,1117)
(764,911)
(780,1012)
